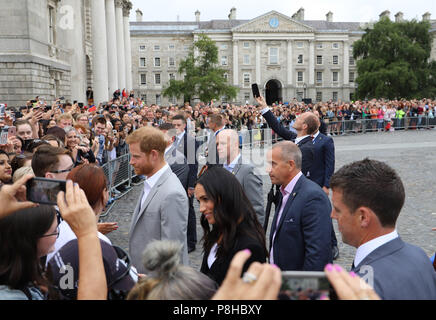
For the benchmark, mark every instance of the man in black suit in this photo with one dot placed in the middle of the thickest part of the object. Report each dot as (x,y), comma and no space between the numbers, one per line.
(367,198)
(186,144)
(301,228)
(216,125)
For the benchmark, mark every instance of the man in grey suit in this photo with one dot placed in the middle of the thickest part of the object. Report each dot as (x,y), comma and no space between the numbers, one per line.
(367,199)
(230,156)
(162,209)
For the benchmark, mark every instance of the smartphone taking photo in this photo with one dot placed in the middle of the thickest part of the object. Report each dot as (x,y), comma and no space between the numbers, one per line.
(304,285)
(255,90)
(45,191)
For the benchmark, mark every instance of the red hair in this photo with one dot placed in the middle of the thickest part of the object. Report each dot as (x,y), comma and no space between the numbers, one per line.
(91,179)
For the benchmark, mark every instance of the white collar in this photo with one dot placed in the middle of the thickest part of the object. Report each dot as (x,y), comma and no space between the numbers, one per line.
(297,140)
(168,148)
(316,135)
(365,249)
(234,162)
(151,181)
(180,135)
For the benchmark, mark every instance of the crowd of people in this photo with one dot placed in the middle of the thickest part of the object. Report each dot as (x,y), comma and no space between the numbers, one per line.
(41,244)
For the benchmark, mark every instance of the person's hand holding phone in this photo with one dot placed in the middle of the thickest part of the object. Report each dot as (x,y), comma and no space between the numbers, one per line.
(13,197)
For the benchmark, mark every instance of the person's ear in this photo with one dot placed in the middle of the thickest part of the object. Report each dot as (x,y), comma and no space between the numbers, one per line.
(49,175)
(365,216)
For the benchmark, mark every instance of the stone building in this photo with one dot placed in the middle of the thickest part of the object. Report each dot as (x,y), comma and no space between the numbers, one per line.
(55,48)
(288,57)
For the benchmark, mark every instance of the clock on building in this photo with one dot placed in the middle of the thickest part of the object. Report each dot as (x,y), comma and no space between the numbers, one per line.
(274,22)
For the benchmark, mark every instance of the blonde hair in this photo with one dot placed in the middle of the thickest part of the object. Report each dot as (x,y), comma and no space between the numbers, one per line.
(19,173)
(149,138)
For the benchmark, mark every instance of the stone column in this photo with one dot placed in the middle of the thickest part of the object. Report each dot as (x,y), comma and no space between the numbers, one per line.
(74,41)
(290,63)
(99,46)
(120,44)
(311,62)
(346,63)
(112,57)
(127,45)
(258,78)
(235,63)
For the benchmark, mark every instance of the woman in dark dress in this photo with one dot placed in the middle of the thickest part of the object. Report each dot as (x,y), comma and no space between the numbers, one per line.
(229,223)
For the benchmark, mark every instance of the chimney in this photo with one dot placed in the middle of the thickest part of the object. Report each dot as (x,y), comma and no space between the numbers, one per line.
(232,15)
(300,14)
(138,15)
(386,14)
(426,16)
(197,16)
(329,16)
(399,17)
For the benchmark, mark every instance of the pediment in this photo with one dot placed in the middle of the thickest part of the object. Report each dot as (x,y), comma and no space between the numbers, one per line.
(273,22)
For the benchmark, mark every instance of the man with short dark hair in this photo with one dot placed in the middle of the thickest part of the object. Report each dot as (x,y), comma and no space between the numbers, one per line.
(367,199)
(52,163)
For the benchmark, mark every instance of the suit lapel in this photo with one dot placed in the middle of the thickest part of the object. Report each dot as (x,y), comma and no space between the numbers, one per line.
(237,166)
(151,194)
(289,203)
(382,251)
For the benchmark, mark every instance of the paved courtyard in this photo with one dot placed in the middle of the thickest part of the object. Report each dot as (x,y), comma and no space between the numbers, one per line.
(411,153)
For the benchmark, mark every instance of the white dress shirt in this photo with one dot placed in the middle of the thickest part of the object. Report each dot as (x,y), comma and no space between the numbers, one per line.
(150,182)
(365,249)
(231,166)
(212,255)
(298,139)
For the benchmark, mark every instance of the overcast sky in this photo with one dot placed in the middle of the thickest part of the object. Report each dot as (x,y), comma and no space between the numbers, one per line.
(343,10)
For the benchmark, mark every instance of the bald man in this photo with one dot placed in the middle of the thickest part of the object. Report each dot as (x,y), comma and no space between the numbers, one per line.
(229,154)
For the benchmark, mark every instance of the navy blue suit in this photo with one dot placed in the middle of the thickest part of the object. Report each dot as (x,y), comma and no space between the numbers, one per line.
(302,241)
(323,166)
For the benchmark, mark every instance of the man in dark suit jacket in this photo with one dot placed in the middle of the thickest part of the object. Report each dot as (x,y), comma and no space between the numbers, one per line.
(367,199)
(251,182)
(216,125)
(187,145)
(301,228)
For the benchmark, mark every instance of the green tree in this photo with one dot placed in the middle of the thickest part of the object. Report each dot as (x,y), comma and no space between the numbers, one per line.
(203,78)
(393,61)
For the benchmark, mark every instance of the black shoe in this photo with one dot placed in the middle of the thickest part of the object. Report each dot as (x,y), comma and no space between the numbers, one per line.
(335,252)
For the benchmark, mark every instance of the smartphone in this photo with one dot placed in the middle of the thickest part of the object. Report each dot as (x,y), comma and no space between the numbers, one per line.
(80,105)
(4,135)
(42,190)
(255,90)
(2,110)
(304,285)
(114,132)
(12,131)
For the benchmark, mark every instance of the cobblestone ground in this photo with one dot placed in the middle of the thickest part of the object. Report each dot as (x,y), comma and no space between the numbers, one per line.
(411,153)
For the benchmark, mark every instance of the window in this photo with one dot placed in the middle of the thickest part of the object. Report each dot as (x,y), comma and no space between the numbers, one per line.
(144,98)
(300,59)
(319,77)
(273,55)
(141,48)
(299,45)
(335,76)
(224,99)
(158,99)
(156,47)
(246,45)
(157,62)
(171,46)
(300,76)
(246,59)
(173,100)
(143,79)
(171,62)
(247,96)
(351,60)
(319,45)
(226,76)
(319,96)
(224,60)
(299,95)
(335,60)
(186,47)
(318,59)
(224,47)
(335,45)
(171,76)
(157,78)
(247,79)
(142,62)
(351,76)
(51,25)
(335,96)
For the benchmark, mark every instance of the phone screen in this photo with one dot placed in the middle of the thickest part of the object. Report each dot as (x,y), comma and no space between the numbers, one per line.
(41,190)
(304,285)
(255,90)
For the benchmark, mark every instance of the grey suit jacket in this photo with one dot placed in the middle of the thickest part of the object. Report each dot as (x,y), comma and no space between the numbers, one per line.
(399,271)
(252,185)
(164,215)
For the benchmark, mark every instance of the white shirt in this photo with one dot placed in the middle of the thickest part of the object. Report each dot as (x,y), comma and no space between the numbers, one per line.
(315,135)
(212,255)
(151,181)
(264,110)
(365,249)
(179,138)
(231,166)
(297,140)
